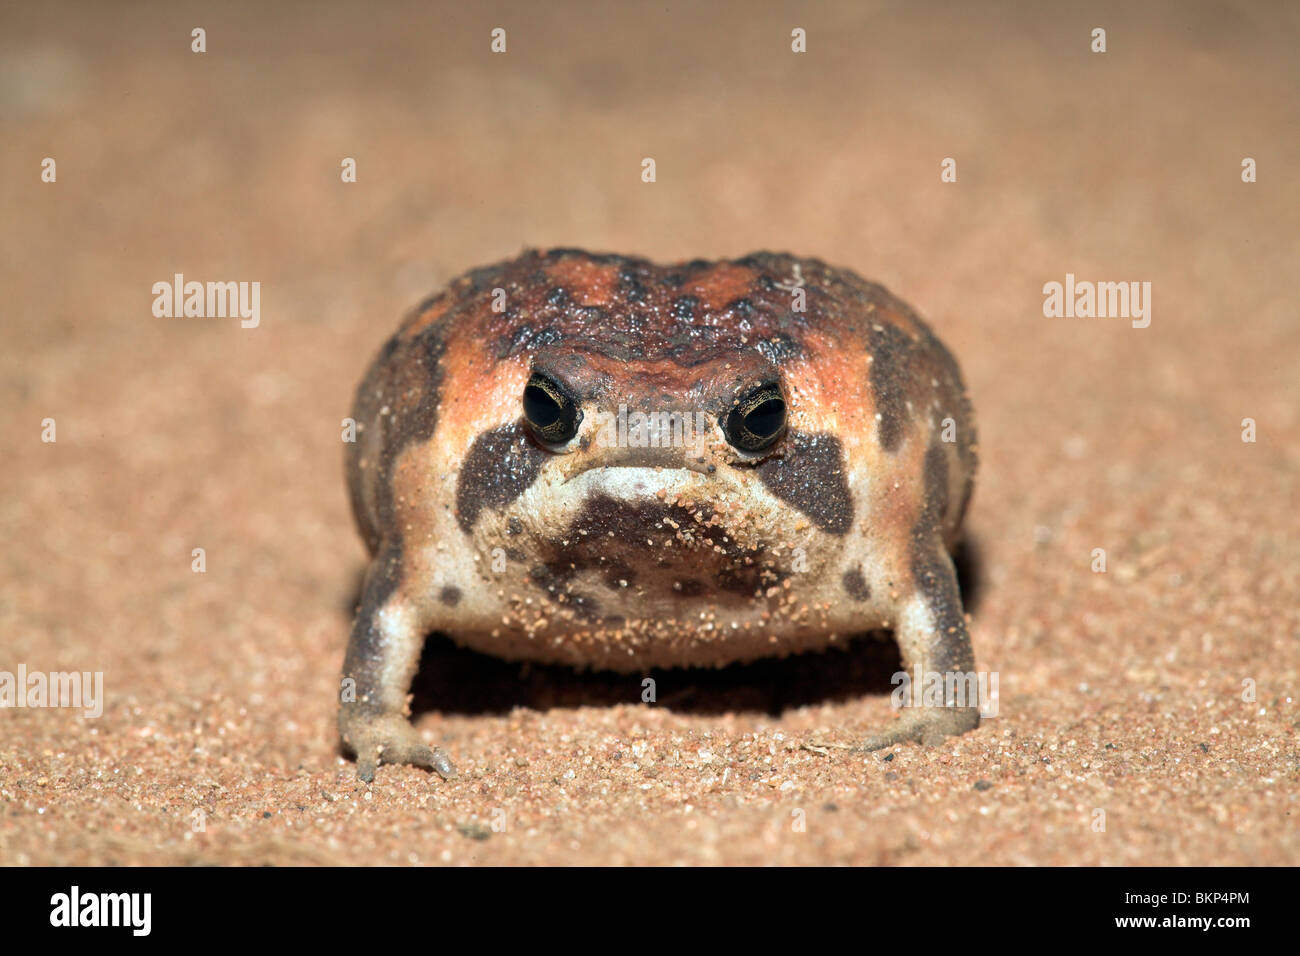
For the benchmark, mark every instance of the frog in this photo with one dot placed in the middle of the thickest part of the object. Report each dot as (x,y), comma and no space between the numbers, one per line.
(595,460)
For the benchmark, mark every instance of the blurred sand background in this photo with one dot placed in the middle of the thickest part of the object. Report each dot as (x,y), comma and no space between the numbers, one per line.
(1120,692)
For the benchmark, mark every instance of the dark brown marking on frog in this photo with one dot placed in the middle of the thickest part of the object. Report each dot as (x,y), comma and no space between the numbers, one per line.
(485,277)
(689,587)
(742,307)
(619,574)
(767,262)
(406,379)
(780,348)
(546,577)
(684,306)
(524,338)
(450,596)
(891,374)
(937,584)
(554,577)
(809,475)
(500,466)
(855,585)
(934,474)
(633,288)
(610,535)
(958,407)
(584,605)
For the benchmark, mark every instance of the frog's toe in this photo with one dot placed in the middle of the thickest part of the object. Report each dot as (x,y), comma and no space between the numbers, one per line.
(431,758)
(390,739)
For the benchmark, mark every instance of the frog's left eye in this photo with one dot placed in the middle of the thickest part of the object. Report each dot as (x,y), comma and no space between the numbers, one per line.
(551,413)
(757,420)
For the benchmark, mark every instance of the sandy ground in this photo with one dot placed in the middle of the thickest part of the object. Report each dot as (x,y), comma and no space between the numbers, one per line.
(1120,692)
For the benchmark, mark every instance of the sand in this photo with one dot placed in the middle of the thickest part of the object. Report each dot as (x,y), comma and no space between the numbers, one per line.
(1146,715)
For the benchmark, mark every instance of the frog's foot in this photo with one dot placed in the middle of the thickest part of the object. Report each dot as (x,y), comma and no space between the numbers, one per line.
(925,725)
(389,738)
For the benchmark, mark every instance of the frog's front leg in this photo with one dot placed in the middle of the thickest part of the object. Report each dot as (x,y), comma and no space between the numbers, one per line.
(383,655)
(932,637)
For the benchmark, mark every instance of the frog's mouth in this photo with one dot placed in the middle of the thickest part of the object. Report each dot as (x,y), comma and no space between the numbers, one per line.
(643,459)
(629,482)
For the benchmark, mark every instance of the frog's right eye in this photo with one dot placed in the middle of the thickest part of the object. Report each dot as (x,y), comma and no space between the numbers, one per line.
(551,413)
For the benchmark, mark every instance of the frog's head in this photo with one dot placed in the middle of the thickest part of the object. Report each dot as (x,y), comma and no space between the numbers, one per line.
(655,425)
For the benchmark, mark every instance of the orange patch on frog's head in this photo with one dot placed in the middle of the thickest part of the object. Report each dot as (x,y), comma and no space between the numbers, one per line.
(587,282)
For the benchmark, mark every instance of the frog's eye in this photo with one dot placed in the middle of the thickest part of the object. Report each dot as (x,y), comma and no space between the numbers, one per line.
(757,420)
(551,413)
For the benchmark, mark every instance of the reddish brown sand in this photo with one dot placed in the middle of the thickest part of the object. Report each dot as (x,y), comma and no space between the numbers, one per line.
(1120,692)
